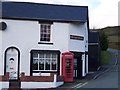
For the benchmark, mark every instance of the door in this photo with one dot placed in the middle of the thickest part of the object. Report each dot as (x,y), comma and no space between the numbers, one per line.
(12,61)
(77,67)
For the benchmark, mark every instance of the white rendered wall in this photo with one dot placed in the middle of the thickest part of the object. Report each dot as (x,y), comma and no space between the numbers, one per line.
(1,61)
(40,84)
(86,44)
(4,85)
(86,36)
(25,36)
(78,30)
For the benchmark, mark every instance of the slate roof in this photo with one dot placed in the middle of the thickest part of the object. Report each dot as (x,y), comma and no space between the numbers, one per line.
(37,11)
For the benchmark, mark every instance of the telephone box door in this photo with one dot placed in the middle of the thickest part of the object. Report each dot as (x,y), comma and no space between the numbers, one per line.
(67,66)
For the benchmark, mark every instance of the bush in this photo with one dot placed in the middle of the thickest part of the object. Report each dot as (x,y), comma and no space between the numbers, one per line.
(105,56)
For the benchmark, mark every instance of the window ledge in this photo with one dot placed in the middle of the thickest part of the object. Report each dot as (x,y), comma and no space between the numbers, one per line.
(45,43)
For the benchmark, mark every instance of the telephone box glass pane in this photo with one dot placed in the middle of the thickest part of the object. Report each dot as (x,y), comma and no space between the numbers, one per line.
(68,63)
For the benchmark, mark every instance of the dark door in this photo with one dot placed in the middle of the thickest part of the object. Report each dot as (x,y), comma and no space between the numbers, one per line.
(77,67)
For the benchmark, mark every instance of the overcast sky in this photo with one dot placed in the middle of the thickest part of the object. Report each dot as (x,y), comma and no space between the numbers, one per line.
(102,13)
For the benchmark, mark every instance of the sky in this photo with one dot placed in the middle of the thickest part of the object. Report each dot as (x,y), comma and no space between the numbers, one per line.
(102,13)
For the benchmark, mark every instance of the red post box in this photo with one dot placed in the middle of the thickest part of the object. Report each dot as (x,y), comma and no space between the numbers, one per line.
(67,66)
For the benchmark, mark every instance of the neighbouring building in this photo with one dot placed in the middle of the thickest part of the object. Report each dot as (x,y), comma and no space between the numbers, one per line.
(36,39)
(94,51)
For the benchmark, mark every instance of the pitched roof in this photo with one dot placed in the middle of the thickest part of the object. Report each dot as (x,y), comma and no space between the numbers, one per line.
(37,11)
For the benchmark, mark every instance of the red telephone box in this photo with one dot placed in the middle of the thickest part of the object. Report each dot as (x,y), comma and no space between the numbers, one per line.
(67,66)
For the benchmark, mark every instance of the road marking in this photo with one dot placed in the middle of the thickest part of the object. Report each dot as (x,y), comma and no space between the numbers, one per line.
(76,85)
(82,85)
(116,57)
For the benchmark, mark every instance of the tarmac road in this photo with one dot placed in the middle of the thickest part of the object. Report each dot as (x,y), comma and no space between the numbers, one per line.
(109,78)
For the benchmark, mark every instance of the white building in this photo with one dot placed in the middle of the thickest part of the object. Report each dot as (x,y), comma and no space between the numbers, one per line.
(32,39)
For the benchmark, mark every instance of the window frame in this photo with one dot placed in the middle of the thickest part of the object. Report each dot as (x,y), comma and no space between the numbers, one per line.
(45,59)
(57,52)
(47,25)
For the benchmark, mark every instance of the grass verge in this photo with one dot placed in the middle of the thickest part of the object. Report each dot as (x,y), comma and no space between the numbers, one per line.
(105,57)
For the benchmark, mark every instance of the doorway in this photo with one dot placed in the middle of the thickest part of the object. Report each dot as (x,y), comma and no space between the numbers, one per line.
(12,56)
(77,67)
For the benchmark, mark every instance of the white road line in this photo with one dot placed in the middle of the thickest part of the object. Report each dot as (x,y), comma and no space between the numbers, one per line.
(82,85)
(76,85)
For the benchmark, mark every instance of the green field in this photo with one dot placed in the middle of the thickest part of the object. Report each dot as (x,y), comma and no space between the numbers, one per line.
(113,38)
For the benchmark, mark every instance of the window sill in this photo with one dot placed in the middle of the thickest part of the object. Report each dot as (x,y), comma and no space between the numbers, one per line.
(45,43)
(44,71)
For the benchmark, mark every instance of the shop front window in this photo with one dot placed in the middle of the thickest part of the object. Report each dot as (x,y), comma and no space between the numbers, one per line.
(44,62)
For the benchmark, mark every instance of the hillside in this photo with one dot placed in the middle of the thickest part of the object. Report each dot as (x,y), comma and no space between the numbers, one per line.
(113,34)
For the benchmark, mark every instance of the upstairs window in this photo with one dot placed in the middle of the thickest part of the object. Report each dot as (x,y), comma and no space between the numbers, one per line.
(45,32)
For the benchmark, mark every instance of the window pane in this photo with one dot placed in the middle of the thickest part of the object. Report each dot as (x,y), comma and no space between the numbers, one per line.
(41,55)
(48,35)
(42,35)
(35,64)
(47,39)
(49,26)
(45,32)
(42,26)
(47,55)
(42,39)
(54,64)
(35,55)
(49,31)
(47,64)
(54,55)
(41,64)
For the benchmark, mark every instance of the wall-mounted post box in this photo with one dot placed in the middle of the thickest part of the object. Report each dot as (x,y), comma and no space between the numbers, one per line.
(67,66)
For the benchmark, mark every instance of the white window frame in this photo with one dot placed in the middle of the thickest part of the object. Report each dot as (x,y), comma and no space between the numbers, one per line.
(44,58)
(45,41)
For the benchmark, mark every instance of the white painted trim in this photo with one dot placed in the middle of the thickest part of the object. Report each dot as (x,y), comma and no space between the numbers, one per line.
(86,63)
(55,77)
(83,65)
(93,43)
(4,85)
(40,84)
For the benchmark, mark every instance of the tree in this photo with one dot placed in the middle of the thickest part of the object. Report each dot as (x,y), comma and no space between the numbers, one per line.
(103,41)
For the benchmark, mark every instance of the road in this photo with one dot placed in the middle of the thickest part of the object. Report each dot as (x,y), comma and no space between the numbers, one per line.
(109,78)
